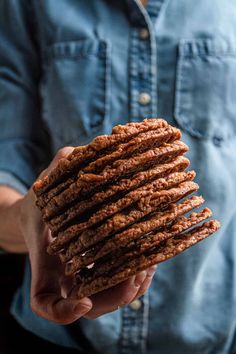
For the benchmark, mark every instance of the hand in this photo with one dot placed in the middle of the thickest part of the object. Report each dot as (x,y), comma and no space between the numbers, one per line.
(51,294)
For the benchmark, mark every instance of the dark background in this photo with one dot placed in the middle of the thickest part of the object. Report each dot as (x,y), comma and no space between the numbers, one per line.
(13,338)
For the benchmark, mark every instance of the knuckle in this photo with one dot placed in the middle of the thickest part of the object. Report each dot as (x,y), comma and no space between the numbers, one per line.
(141,293)
(140,278)
(46,313)
(42,174)
(56,318)
(151,271)
(145,287)
(126,300)
(61,152)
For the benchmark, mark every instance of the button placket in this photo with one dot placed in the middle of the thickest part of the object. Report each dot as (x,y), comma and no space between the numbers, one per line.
(142,75)
(144,98)
(144,33)
(135,326)
(140,78)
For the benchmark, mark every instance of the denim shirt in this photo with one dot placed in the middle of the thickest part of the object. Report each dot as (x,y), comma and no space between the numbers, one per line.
(70,70)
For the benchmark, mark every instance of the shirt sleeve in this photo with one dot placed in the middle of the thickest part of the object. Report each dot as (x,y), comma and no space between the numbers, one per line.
(9,180)
(24,141)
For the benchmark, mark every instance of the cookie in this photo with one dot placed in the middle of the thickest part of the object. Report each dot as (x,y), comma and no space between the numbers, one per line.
(102,212)
(89,183)
(138,144)
(83,154)
(146,203)
(116,206)
(118,189)
(167,250)
(131,225)
(140,237)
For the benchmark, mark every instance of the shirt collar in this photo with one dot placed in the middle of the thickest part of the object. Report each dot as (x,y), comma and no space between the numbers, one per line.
(137,11)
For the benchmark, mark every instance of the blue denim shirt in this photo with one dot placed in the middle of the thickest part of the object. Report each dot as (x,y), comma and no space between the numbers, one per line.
(70,70)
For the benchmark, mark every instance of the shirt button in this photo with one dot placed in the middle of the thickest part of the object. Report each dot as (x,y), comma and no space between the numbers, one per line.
(135,305)
(144,33)
(144,98)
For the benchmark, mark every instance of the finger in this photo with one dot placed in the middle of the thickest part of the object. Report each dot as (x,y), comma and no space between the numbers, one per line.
(49,289)
(111,299)
(59,310)
(62,153)
(146,283)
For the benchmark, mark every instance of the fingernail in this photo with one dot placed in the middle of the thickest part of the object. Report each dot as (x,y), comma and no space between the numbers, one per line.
(83,306)
(67,150)
(151,271)
(140,278)
(86,302)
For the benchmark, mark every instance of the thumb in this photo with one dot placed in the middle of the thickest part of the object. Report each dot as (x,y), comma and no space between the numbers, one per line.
(30,198)
(62,153)
(60,310)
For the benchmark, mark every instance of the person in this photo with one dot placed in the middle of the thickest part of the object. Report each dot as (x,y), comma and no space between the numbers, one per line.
(70,70)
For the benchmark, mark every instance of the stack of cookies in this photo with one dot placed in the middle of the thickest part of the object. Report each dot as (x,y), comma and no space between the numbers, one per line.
(115,207)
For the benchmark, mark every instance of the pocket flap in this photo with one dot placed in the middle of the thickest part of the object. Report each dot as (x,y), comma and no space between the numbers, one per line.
(205,101)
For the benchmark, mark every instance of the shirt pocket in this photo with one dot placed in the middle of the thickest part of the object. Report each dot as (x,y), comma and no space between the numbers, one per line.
(205,100)
(75,90)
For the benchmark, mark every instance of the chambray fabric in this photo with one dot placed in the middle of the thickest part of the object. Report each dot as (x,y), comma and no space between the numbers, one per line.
(70,70)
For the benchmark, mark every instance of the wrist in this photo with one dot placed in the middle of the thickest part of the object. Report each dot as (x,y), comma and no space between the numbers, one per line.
(18,213)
